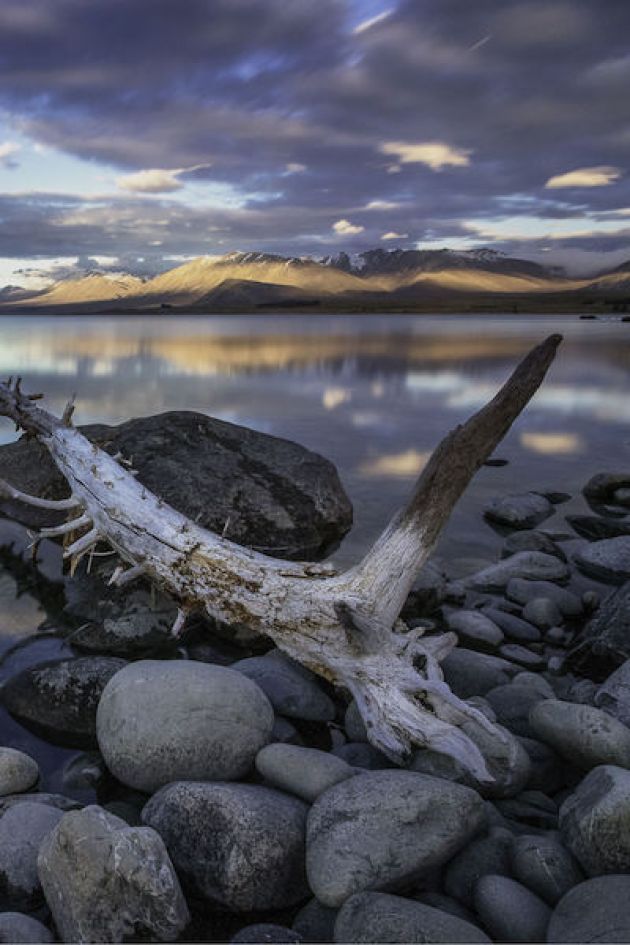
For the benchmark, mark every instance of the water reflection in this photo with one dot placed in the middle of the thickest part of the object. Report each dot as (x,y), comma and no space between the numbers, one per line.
(374,394)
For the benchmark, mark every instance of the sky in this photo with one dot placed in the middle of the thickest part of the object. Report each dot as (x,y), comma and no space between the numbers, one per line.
(135,134)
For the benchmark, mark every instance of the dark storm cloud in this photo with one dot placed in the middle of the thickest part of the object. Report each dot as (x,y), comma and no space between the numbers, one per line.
(530,89)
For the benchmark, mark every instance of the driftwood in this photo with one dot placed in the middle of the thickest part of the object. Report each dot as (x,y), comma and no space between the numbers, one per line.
(344,627)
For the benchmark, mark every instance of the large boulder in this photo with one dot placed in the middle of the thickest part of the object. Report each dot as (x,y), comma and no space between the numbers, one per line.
(261,491)
(377,917)
(604,643)
(583,735)
(105,881)
(23,828)
(595,911)
(384,829)
(58,699)
(595,821)
(240,846)
(165,720)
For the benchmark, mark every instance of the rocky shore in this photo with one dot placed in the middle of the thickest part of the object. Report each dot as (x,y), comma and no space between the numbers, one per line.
(218,791)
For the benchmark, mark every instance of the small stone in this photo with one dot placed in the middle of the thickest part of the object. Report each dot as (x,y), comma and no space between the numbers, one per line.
(531,541)
(602,487)
(585,736)
(535,681)
(17,928)
(304,772)
(160,720)
(527,565)
(105,881)
(509,911)
(545,866)
(543,612)
(607,560)
(513,627)
(519,511)
(23,828)
(595,821)
(240,846)
(18,771)
(475,629)
(597,528)
(490,854)
(523,591)
(292,689)
(315,922)
(385,829)
(378,917)
(266,932)
(362,755)
(519,654)
(512,705)
(595,911)
(469,673)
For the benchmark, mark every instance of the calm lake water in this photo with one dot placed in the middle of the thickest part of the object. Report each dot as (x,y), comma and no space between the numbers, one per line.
(374,394)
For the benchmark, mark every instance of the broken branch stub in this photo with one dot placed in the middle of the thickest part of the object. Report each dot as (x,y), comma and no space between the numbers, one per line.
(343,626)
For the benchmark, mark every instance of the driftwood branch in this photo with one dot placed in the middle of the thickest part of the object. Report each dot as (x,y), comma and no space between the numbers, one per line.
(343,627)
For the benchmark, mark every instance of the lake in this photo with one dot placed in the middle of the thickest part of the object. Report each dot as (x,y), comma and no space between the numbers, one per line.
(374,394)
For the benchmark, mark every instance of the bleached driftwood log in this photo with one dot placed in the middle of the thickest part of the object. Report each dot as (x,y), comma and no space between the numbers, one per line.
(344,627)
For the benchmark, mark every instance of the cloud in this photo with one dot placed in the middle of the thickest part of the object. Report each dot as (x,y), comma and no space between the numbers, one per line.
(393,235)
(294,168)
(435,154)
(156,180)
(8,150)
(382,205)
(346,228)
(585,177)
(371,21)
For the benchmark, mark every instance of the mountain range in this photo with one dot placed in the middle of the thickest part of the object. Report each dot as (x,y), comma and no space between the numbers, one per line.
(376,279)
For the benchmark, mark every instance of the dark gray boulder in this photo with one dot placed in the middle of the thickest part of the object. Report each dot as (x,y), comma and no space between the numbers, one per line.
(272,494)
(583,735)
(470,673)
(23,828)
(315,922)
(595,821)
(487,855)
(15,927)
(509,911)
(58,699)
(614,694)
(607,560)
(531,541)
(384,830)
(292,689)
(18,771)
(377,917)
(240,846)
(604,643)
(595,911)
(545,866)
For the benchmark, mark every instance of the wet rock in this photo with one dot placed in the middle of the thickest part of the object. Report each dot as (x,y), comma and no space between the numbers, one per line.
(527,565)
(105,881)
(315,922)
(17,928)
(377,917)
(305,772)
(22,831)
(160,721)
(613,696)
(240,846)
(469,673)
(355,842)
(266,932)
(18,771)
(514,627)
(595,911)
(519,511)
(531,541)
(292,689)
(607,560)
(58,699)
(523,591)
(509,911)
(475,630)
(276,496)
(595,821)
(545,866)
(585,736)
(604,644)
(487,855)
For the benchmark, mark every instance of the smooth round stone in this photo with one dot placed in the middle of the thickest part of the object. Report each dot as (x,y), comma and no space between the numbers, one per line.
(469,673)
(514,627)
(531,541)
(305,772)
(607,560)
(15,927)
(535,681)
(18,771)
(315,922)
(543,612)
(292,689)
(23,828)
(585,736)
(523,511)
(385,829)
(377,917)
(522,592)
(509,911)
(527,565)
(597,910)
(240,846)
(266,932)
(512,706)
(488,855)
(522,656)
(545,866)
(165,720)
(475,629)
(595,821)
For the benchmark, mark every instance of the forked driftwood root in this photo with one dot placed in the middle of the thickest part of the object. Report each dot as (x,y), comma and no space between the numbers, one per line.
(345,627)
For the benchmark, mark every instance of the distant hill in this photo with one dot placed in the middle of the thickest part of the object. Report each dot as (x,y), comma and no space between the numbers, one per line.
(376,279)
